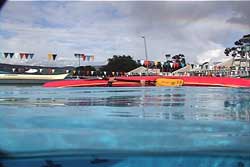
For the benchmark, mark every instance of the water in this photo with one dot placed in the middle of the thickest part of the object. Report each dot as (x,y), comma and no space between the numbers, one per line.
(125,127)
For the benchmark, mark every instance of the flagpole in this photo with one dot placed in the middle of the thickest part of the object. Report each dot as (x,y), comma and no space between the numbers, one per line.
(79,60)
(146,52)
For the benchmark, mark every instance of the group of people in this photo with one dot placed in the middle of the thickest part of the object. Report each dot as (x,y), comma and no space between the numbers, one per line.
(168,66)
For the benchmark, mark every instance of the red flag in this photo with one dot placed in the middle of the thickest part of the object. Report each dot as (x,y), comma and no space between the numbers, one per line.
(21,55)
(26,55)
(83,57)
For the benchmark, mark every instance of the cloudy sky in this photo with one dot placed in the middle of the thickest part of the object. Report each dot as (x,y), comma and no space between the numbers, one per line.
(199,30)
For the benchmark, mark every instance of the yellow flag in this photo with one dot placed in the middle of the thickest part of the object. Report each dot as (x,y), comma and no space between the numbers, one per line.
(49,56)
(92,58)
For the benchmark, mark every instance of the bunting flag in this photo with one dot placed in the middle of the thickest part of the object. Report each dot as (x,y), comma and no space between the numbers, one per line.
(31,55)
(77,55)
(21,55)
(50,56)
(26,55)
(88,58)
(138,61)
(146,63)
(8,54)
(171,64)
(54,56)
(142,62)
(92,58)
(83,57)
(11,55)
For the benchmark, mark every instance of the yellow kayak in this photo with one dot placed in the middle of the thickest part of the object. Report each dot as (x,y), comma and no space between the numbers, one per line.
(168,82)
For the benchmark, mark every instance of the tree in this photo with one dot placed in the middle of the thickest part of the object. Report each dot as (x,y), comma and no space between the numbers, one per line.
(241,50)
(120,64)
(86,68)
(241,47)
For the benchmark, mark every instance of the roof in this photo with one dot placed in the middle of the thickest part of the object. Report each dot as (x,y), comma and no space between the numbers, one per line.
(187,68)
(139,70)
(227,63)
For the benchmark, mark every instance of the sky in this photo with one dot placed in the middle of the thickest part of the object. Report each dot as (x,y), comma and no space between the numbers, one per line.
(199,30)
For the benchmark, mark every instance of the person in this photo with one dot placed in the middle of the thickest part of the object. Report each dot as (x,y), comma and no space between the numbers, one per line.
(111,80)
(143,82)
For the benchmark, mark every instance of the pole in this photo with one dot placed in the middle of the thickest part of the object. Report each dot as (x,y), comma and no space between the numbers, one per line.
(79,60)
(146,52)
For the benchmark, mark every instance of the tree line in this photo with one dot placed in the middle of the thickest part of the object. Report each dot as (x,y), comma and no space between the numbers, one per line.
(120,64)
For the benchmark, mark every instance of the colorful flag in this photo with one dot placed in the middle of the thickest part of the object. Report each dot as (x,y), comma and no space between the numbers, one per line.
(88,58)
(54,56)
(142,62)
(77,55)
(146,62)
(49,56)
(21,55)
(31,55)
(83,57)
(138,61)
(171,64)
(92,58)
(11,55)
(6,55)
(26,55)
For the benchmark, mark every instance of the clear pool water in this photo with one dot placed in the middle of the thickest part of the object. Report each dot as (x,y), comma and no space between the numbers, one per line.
(124,127)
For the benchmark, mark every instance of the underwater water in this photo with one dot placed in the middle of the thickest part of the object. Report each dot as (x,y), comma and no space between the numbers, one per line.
(124,127)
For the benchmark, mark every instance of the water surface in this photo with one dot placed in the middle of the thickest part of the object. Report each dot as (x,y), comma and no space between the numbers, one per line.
(180,126)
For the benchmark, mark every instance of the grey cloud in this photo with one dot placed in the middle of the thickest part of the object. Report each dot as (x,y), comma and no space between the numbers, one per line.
(242,13)
(106,28)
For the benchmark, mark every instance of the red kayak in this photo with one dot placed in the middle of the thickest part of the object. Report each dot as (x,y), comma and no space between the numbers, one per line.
(90,83)
(136,81)
(216,81)
(195,81)
(76,83)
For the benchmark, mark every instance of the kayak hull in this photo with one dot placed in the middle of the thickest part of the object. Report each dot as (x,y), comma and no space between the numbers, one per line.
(137,81)
(195,81)
(90,83)
(76,83)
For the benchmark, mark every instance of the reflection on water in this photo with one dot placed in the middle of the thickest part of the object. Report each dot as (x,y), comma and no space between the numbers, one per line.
(160,103)
(112,101)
